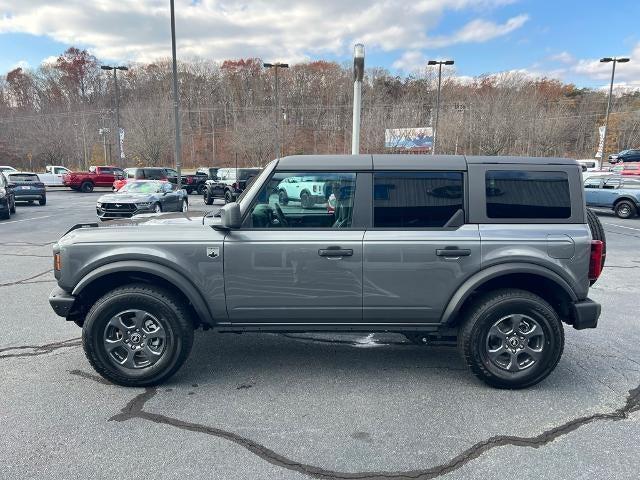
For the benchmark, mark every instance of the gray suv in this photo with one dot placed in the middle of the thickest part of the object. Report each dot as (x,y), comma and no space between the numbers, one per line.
(491,253)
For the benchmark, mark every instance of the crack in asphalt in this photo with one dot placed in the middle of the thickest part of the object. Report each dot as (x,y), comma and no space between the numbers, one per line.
(25,244)
(24,255)
(26,280)
(135,409)
(39,349)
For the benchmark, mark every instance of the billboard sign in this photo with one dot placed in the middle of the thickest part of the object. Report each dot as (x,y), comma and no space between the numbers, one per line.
(409,140)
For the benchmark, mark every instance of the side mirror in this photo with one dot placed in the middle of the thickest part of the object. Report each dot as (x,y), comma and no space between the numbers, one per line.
(230,216)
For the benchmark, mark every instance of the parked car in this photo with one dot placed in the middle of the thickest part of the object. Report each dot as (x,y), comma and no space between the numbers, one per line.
(54,175)
(142,196)
(95,177)
(27,187)
(306,190)
(491,253)
(197,183)
(146,173)
(7,168)
(7,198)
(230,183)
(632,155)
(618,193)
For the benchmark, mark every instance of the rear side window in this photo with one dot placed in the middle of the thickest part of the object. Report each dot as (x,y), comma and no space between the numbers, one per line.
(632,184)
(154,174)
(416,199)
(527,194)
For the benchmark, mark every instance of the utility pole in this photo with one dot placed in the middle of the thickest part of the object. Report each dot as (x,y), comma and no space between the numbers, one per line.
(435,129)
(176,103)
(117,103)
(276,66)
(358,75)
(613,60)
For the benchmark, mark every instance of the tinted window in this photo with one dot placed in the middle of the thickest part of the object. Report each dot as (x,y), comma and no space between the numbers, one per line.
(23,177)
(416,199)
(522,194)
(154,174)
(592,182)
(304,200)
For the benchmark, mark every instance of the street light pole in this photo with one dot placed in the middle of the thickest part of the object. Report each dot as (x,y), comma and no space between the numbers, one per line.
(613,60)
(117,102)
(435,129)
(176,103)
(358,75)
(275,67)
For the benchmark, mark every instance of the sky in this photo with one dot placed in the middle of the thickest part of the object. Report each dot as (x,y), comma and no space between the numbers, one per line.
(560,39)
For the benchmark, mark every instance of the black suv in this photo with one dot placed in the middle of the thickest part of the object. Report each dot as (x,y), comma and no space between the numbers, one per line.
(625,156)
(230,183)
(7,198)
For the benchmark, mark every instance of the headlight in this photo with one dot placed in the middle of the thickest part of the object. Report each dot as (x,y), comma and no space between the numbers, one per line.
(143,205)
(99,205)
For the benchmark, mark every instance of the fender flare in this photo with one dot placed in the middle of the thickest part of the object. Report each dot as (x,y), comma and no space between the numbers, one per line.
(464,291)
(168,274)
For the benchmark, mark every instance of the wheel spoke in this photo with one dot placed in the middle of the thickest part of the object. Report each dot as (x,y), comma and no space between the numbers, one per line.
(151,354)
(516,319)
(116,322)
(139,317)
(494,331)
(513,362)
(129,362)
(494,354)
(535,354)
(112,345)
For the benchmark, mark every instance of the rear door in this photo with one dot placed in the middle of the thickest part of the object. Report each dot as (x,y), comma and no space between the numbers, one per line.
(419,250)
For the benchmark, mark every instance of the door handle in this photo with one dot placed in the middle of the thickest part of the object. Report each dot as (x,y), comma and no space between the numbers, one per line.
(335,252)
(453,252)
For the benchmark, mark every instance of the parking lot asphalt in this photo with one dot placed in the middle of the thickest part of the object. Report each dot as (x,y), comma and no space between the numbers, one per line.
(307,406)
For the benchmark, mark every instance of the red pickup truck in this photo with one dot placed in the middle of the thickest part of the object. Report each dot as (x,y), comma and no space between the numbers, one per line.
(95,177)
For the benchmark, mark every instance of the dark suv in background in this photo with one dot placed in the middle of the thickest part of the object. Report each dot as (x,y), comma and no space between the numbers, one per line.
(229,184)
(632,155)
(7,198)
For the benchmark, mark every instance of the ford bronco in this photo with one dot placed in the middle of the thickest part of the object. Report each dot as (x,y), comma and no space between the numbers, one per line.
(491,253)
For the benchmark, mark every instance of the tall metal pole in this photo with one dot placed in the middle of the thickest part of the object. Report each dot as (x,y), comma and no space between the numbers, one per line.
(115,83)
(606,118)
(358,75)
(435,130)
(277,109)
(176,109)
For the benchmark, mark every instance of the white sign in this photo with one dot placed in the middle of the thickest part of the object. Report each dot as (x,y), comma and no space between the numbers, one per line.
(601,129)
(122,143)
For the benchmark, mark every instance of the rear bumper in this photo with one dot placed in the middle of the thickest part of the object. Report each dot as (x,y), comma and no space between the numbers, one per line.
(61,302)
(33,195)
(585,314)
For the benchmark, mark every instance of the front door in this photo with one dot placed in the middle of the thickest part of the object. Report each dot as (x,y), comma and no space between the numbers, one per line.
(294,263)
(419,250)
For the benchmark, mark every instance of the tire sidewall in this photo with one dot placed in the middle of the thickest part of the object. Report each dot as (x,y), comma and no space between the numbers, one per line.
(96,322)
(621,205)
(553,341)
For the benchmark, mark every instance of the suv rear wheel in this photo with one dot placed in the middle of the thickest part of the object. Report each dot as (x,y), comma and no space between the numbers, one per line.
(511,339)
(137,335)
(86,187)
(625,209)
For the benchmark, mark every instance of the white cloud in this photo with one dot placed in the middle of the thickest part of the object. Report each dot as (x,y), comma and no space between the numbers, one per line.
(562,57)
(625,72)
(138,30)
(50,60)
(23,64)
(411,61)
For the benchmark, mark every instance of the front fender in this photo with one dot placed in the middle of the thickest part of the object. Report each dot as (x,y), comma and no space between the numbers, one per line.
(474,282)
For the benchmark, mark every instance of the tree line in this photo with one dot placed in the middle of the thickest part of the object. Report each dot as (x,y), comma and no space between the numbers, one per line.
(63,113)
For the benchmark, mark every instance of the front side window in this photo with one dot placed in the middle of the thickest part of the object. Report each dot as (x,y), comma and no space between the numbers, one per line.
(612,183)
(592,183)
(304,200)
(416,199)
(527,194)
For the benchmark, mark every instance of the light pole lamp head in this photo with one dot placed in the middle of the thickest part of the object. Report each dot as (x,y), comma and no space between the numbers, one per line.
(122,68)
(623,59)
(606,59)
(448,62)
(358,62)
(106,67)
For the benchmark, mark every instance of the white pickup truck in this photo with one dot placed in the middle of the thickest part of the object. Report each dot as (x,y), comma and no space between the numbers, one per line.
(53,175)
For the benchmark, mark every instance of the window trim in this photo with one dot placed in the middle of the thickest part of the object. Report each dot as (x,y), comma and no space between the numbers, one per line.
(465,201)
(358,218)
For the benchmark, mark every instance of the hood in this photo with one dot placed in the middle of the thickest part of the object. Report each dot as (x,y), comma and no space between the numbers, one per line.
(127,197)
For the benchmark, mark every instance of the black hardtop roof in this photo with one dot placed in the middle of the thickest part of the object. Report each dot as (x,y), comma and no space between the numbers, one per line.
(406,162)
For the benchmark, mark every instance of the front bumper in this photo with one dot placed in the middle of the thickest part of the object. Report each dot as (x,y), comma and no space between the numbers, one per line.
(585,314)
(61,302)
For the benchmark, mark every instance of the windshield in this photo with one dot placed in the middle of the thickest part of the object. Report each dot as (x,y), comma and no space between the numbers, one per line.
(247,195)
(24,177)
(142,187)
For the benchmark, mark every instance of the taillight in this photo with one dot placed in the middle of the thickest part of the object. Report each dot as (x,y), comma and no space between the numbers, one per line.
(596,259)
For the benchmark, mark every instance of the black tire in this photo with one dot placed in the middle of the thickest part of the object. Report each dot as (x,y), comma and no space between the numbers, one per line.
(283,198)
(157,208)
(487,313)
(208,199)
(201,189)
(6,214)
(625,209)
(305,200)
(183,204)
(163,306)
(228,197)
(43,201)
(597,233)
(86,187)
(12,206)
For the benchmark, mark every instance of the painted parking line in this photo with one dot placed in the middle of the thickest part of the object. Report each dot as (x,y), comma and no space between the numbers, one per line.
(26,219)
(622,226)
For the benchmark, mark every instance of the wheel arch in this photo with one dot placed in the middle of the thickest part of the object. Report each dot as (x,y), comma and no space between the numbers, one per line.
(534,278)
(632,200)
(104,278)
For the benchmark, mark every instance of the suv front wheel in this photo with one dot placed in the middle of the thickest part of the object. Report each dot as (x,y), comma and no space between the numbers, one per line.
(137,335)
(511,339)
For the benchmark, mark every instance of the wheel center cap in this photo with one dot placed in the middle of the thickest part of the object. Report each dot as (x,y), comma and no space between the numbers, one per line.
(135,338)
(513,341)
